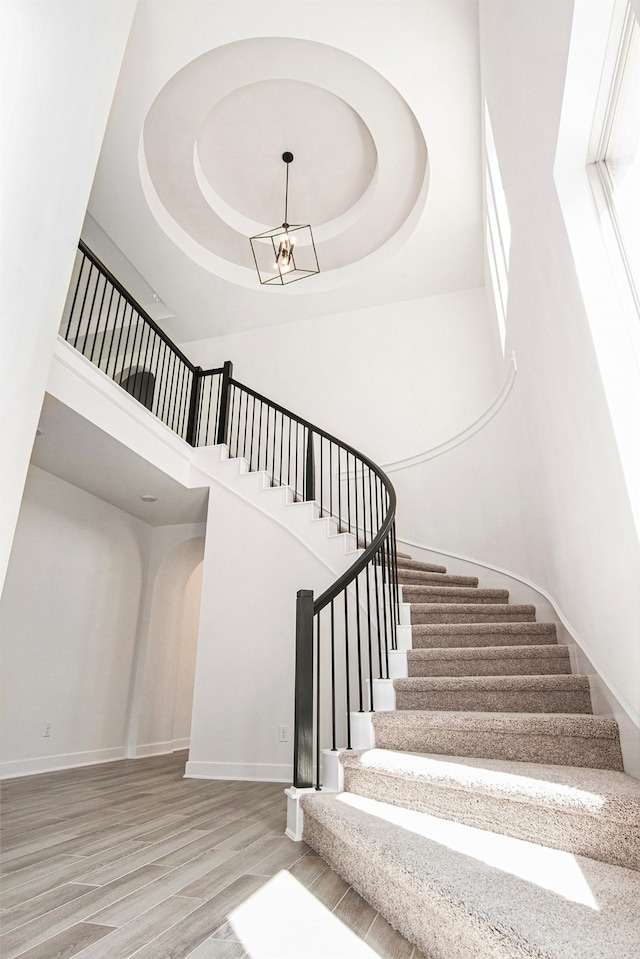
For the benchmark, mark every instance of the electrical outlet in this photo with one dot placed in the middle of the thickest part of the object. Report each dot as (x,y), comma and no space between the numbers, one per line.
(47,730)
(283,734)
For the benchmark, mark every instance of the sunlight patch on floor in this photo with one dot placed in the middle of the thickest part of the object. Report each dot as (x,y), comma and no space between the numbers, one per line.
(284,916)
(551,869)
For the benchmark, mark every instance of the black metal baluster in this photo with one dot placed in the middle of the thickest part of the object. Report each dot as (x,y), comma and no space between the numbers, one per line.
(267,447)
(126,347)
(359,641)
(75,296)
(396,595)
(295,485)
(318,710)
(281,448)
(378,629)
(114,355)
(201,407)
(348,666)
(384,619)
(95,337)
(365,527)
(273,450)
(146,379)
(369,635)
(331,477)
(162,397)
(104,337)
(82,311)
(173,406)
(333,680)
(348,493)
(260,434)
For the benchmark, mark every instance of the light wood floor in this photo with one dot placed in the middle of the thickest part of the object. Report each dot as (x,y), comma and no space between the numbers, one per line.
(130,859)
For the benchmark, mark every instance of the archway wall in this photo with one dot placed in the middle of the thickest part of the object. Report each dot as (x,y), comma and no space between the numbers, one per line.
(167,635)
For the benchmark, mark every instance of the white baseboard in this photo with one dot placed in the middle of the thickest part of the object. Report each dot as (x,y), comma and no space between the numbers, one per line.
(160,749)
(249,772)
(47,764)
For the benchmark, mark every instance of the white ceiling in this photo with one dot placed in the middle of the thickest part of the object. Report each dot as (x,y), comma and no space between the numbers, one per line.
(76,451)
(379,102)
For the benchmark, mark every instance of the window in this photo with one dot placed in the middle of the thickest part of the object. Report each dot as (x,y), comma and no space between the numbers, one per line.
(498,227)
(618,154)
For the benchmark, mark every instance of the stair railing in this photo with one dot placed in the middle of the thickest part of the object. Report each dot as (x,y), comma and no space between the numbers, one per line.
(104,323)
(344,636)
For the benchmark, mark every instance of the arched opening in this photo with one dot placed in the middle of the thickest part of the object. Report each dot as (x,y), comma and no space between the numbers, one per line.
(140,383)
(162,707)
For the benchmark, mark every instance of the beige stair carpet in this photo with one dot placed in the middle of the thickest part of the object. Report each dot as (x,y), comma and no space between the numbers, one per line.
(464,893)
(428,635)
(529,694)
(590,812)
(493,819)
(553,738)
(489,661)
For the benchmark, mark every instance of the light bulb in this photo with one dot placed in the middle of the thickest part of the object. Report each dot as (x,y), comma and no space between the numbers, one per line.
(284,255)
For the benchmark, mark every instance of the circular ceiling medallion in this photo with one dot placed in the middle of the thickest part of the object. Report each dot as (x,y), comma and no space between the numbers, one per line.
(211,151)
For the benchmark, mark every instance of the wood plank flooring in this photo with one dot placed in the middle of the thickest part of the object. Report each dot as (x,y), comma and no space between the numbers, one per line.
(130,859)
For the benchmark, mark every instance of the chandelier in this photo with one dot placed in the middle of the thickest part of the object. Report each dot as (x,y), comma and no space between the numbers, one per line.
(286,253)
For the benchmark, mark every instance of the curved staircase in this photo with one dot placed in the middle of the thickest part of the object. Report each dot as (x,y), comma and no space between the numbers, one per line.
(492,818)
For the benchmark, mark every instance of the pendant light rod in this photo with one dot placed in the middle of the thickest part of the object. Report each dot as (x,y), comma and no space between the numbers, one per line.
(288,158)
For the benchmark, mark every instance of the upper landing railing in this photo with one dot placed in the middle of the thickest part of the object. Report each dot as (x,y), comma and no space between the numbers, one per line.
(343,637)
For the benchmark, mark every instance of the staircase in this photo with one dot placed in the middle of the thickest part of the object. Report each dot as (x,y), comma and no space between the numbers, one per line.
(492,818)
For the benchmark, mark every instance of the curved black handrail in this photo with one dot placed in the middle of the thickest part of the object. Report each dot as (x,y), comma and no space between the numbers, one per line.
(369,551)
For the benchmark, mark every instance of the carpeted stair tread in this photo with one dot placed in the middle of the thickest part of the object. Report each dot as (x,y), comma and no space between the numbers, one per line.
(471,612)
(459,892)
(419,577)
(488,660)
(562,739)
(407,562)
(469,635)
(547,694)
(453,594)
(589,812)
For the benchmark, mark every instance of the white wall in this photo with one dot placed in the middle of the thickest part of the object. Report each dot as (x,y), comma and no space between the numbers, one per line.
(60,62)
(390,380)
(244,683)
(188,647)
(99,622)
(578,539)
(167,639)
(69,617)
